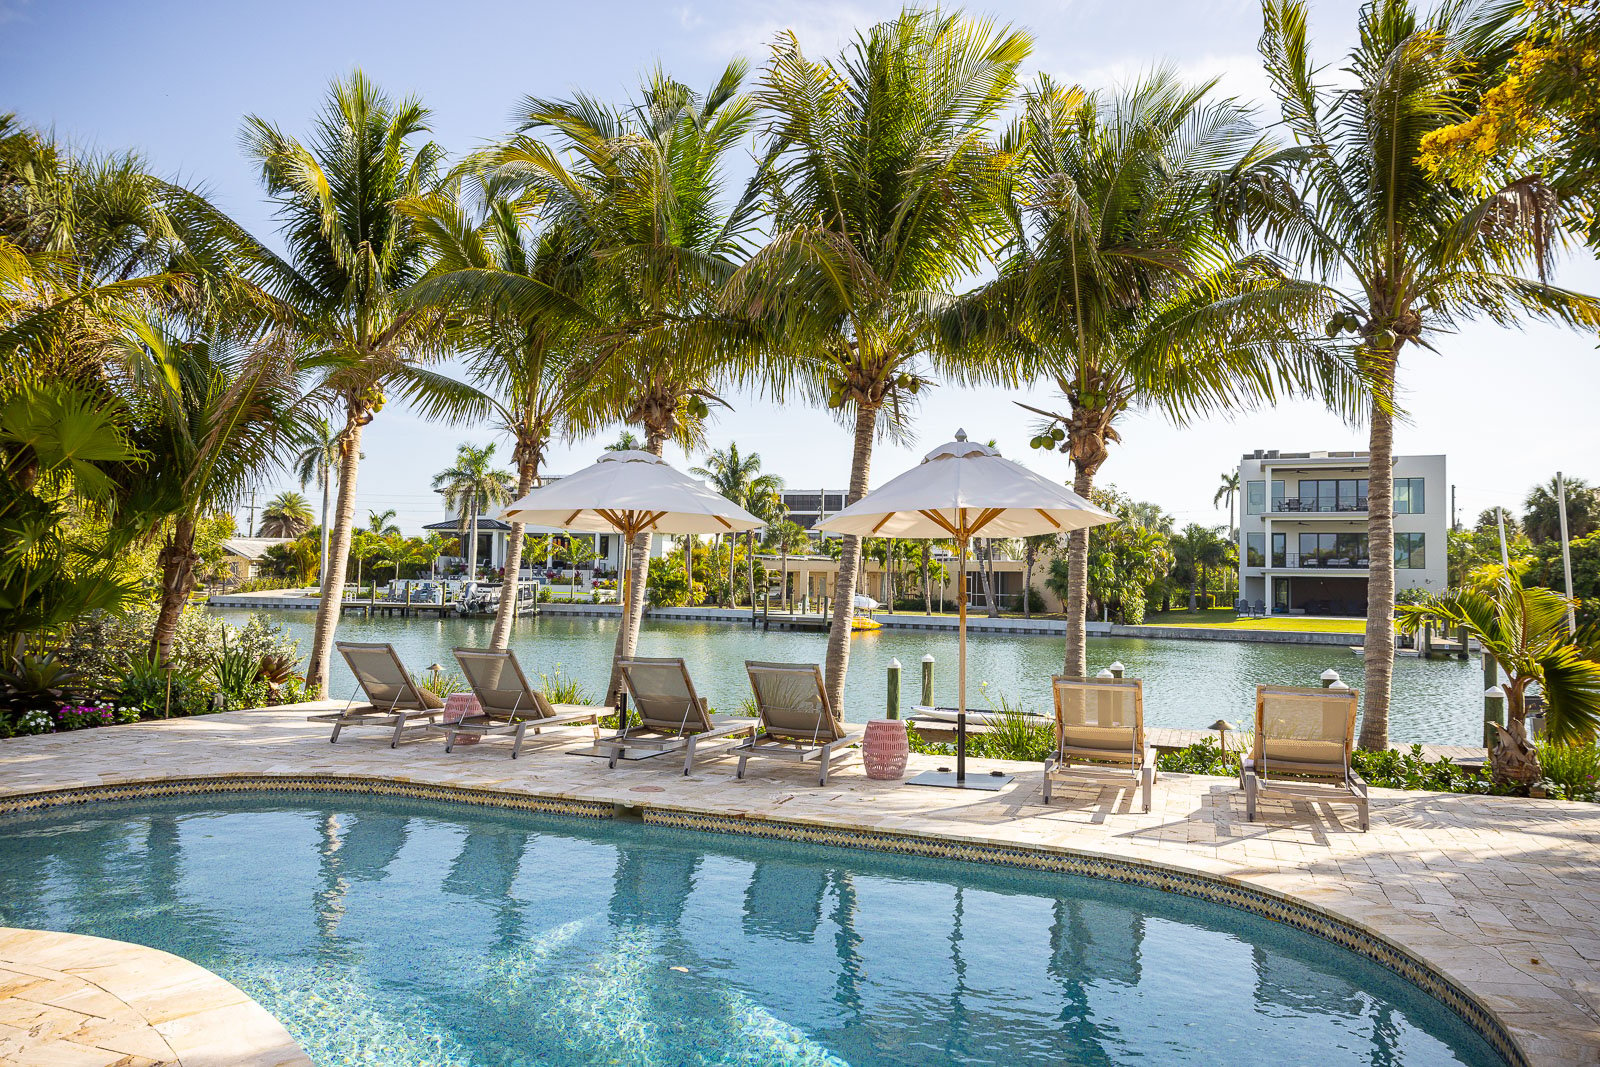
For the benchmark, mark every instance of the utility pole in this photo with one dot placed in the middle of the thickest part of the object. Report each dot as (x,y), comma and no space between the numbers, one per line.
(1505,557)
(1566,550)
(250,528)
(1454,524)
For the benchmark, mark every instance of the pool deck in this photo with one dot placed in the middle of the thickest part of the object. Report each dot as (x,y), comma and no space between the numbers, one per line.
(1501,896)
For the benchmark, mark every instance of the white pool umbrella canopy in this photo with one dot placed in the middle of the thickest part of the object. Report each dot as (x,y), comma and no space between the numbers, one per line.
(964,490)
(963,485)
(632,492)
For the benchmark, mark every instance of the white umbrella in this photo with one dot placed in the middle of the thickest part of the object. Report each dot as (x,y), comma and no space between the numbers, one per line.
(632,492)
(960,490)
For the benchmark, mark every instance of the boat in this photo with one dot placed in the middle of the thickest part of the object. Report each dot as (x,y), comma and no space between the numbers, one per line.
(862,624)
(480,600)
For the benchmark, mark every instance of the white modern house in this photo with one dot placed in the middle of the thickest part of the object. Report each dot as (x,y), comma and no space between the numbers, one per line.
(1303,529)
(807,507)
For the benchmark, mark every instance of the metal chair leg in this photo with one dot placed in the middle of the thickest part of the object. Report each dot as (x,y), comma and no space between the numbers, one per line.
(516,745)
(399,727)
(688,760)
(740,772)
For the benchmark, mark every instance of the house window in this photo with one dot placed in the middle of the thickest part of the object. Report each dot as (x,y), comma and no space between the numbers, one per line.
(1255,497)
(1408,497)
(1408,550)
(1333,494)
(1280,549)
(1277,494)
(1255,550)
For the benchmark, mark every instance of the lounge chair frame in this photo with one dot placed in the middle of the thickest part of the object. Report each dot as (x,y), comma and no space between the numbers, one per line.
(1302,775)
(687,727)
(784,733)
(529,708)
(1100,752)
(407,707)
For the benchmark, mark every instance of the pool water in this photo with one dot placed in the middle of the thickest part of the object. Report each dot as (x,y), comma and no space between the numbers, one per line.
(392,932)
(1188,684)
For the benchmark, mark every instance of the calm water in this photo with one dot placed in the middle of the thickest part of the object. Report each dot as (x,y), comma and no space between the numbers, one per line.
(1186,683)
(397,933)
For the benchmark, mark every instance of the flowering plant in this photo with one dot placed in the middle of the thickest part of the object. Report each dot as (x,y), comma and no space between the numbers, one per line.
(36,721)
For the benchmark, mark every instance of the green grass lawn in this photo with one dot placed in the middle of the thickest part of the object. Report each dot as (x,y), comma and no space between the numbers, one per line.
(1226,619)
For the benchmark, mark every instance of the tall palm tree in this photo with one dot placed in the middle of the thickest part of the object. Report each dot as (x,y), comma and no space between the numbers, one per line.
(496,273)
(215,410)
(1228,490)
(739,478)
(1031,547)
(352,253)
(1122,287)
(382,524)
(1401,256)
(286,515)
(318,461)
(470,485)
(879,171)
(785,537)
(637,192)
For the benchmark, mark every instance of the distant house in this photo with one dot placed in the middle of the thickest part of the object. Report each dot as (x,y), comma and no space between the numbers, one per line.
(242,556)
(493,533)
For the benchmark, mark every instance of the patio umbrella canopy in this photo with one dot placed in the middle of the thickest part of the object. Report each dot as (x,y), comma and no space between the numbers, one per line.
(964,490)
(631,492)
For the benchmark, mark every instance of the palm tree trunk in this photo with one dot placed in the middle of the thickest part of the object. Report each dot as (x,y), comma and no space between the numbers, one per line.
(784,588)
(1076,665)
(1379,642)
(730,541)
(178,560)
(750,567)
(322,571)
(328,606)
(1027,582)
(927,586)
(838,661)
(500,636)
(638,571)
(472,540)
(986,574)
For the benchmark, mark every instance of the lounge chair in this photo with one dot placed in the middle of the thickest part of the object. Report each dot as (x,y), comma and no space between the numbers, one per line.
(671,715)
(797,722)
(393,699)
(509,704)
(1100,732)
(1302,748)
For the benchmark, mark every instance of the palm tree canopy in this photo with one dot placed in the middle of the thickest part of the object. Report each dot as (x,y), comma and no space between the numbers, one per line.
(739,478)
(286,515)
(473,483)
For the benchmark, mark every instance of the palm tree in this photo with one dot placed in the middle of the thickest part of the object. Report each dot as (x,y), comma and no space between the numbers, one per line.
(468,486)
(381,523)
(1541,519)
(784,537)
(215,410)
(739,478)
(496,274)
(352,253)
(317,462)
(627,441)
(1401,256)
(1228,490)
(638,194)
(1123,288)
(286,515)
(879,171)
(1525,629)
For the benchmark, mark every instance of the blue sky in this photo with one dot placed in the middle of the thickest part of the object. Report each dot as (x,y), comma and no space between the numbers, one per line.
(173,80)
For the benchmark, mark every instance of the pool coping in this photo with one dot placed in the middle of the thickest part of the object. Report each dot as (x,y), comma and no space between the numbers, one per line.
(951,843)
(93,995)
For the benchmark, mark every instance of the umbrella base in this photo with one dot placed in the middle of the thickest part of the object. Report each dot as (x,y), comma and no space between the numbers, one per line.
(987,783)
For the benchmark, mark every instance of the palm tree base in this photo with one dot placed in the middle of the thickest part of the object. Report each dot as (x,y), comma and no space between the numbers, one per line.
(1514,760)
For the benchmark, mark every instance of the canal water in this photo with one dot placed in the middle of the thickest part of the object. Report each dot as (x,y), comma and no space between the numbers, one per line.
(1187,684)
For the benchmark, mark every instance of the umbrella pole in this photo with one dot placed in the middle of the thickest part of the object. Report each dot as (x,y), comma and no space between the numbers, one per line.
(961,661)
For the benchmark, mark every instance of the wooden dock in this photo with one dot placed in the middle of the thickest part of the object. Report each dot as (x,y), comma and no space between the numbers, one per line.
(396,607)
(795,621)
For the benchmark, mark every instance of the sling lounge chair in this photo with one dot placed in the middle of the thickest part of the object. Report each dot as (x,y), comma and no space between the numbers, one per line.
(797,722)
(509,704)
(393,699)
(1100,733)
(1302,748)
(671,715)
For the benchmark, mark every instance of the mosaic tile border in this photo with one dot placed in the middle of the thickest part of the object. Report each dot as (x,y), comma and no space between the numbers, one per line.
(306,783)
(1216,890)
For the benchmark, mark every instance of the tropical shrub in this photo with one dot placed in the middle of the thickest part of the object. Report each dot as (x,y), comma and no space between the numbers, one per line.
(559,688)
(666,586)
(1571,769)
(30,679)
(104,647)
(440,684)
(37,721)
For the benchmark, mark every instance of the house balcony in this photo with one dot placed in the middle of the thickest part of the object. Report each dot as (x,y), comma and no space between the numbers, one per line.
(1322,564)
(1309,508)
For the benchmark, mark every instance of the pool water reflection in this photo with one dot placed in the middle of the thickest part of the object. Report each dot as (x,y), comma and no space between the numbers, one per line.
(397,933)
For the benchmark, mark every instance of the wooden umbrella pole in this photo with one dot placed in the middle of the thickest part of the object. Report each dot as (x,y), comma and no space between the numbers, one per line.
(961,656)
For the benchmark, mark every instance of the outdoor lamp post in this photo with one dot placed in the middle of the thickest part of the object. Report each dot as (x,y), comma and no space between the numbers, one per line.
(436,669)
(1222,726)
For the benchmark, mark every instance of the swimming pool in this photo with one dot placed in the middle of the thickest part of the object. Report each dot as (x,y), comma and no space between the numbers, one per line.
(398,932)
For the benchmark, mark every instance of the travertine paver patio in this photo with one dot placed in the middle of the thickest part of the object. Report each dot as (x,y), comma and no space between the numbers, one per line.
(1500,895)
(73,1001)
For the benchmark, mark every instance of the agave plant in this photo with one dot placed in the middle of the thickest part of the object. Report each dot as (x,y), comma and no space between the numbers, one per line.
(1525,629)
(29,679)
